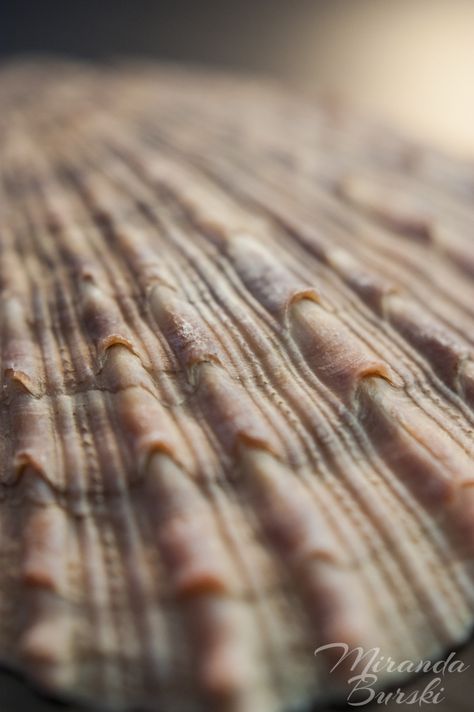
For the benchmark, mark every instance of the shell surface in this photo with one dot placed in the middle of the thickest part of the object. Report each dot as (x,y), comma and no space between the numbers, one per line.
(237,387)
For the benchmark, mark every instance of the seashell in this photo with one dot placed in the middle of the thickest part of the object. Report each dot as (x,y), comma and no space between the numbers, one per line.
(237,387)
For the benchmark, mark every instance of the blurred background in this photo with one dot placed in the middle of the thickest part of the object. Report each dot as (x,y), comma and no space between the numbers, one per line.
(410,62)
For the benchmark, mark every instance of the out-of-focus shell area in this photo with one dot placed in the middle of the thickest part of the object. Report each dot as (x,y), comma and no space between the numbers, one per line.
(237,381)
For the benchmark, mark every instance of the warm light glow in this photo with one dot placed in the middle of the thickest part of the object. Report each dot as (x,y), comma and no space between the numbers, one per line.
(411,61)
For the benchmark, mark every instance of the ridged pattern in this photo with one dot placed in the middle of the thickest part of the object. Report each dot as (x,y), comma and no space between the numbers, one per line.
(237,387)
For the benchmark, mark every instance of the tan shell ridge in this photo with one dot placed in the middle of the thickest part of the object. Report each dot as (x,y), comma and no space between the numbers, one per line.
(236,337)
